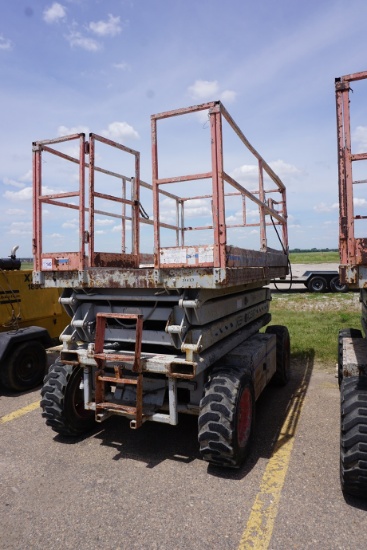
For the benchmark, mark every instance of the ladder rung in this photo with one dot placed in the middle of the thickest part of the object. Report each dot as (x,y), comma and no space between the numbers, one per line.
(133,359)
(118,380)
(114,357)
(115,406)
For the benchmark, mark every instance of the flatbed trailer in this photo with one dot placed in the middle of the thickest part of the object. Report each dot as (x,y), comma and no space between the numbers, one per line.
(352,344)
(176,331)
(316,281)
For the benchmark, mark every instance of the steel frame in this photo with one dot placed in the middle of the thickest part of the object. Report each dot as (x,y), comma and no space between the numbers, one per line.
(353,251)
(218,256)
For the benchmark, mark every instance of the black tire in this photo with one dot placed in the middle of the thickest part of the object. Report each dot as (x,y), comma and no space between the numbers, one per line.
(62,401)
(283,354)
(353,436)
(227,417)
(337,286)
(317,284)
(345,333)
(25,367)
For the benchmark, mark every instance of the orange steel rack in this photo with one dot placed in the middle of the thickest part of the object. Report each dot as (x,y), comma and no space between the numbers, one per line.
(207,265)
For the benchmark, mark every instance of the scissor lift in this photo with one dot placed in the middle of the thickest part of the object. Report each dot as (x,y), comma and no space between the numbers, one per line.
(176,331)
(352,350)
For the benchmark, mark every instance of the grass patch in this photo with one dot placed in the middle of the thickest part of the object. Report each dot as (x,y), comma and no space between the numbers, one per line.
(27,265)
(314,257)
(314,321)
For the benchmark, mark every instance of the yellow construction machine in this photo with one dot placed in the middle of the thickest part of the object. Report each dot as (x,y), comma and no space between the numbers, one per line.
(31,319)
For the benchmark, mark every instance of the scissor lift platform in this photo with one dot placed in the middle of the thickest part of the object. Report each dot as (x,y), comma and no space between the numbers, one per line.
(196,298)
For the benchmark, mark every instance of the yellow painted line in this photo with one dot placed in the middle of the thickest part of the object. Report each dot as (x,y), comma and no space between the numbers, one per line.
(260,525)
(20,412)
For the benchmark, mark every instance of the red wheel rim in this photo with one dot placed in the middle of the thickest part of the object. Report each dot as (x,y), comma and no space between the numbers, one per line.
(244,419)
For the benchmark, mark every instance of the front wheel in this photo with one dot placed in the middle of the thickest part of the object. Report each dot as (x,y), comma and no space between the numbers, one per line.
(25,367)
(353,436)
(226,418)
(63,401)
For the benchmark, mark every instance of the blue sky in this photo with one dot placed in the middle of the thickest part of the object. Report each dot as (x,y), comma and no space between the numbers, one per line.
(106,66)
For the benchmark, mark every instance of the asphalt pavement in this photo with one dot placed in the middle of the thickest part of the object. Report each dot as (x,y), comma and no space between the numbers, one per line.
(119,488)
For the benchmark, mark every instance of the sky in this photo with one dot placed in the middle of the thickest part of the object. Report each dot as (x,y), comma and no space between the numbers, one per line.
(105,66)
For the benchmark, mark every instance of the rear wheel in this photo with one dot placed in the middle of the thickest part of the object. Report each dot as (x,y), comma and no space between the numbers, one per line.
(283,354)
(25,367)
(63,401)
(226,419)
(317,284)
(353,436)
(337,286)
(345,333)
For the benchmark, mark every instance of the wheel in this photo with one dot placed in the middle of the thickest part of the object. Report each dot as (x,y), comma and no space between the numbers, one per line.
(337,286)
(353,436)
(62,401)
(317,284)
(345,333)
(226,418)
(283,354)
(25,367)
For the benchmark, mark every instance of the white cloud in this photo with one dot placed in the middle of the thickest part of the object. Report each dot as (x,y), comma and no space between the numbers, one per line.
(20,228)
(5,43)
(71,224)
(203,89)
(54,13)
(228,96)
(123,66)
(322,207)
(250,172)
(13,183)
(120,131)
(206,90)
(27,177)
(359,202)
(197,207)
(111,27)
(103,222)
(359,137)
(23,195)
(245,172)
(65,131)
(76,39)
(118,228)
(282,168)
(15,212)
(27,193)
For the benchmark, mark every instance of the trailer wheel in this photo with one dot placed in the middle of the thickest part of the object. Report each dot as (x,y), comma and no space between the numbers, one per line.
(345,333)
(226,418)
(62,401)
(25,367)
(317,284)
(283,354)
(337,286)
(353,436)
